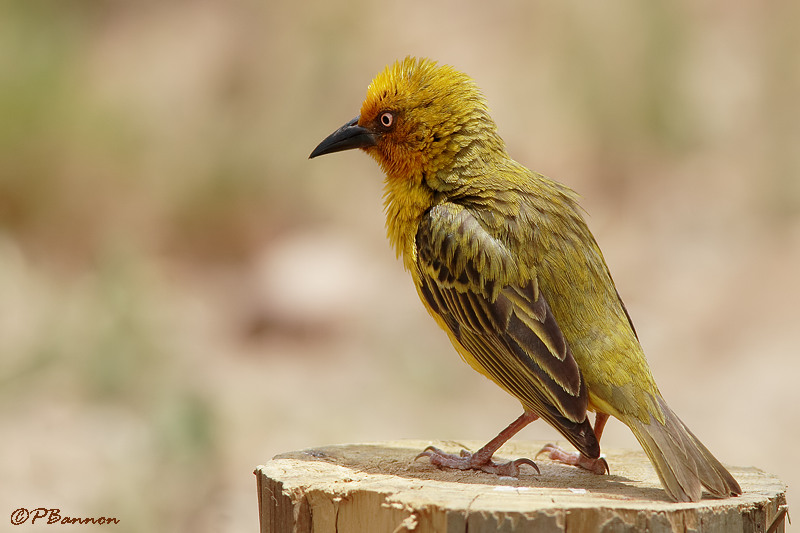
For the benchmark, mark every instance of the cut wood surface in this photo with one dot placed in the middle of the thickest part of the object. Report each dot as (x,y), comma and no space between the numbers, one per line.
(379,487)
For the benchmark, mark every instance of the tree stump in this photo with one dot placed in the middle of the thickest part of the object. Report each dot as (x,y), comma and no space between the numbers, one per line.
(379,487)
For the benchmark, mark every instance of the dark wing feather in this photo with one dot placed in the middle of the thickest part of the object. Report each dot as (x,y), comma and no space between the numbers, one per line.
(495,311)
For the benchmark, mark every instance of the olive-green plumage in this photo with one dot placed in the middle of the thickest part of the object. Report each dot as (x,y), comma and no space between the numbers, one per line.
(504,262)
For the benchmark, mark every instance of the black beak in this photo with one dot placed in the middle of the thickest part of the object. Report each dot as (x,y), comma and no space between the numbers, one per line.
(349,136)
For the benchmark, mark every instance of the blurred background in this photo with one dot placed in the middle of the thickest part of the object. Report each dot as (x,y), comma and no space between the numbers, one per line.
(184,295)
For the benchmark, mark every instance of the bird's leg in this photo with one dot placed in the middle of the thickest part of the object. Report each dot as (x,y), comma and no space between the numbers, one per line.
(482,459)
(597,466)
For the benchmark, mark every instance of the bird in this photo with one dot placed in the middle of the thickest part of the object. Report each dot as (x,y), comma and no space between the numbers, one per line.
(503,260)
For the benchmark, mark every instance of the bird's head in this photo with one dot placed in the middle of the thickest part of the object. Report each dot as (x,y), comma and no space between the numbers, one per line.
(419,119)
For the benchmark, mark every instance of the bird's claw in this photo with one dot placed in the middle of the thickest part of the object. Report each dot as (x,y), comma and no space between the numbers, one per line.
(429,451)
(475,461)
(596,466)
(516,463)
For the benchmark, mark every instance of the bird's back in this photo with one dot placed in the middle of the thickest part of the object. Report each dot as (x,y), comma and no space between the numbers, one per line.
(540,220)
(576,282)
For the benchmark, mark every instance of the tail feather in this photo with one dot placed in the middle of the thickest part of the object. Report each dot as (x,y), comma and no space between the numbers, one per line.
(682,463)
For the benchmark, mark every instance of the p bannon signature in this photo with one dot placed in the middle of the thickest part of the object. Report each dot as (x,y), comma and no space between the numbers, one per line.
(54,516)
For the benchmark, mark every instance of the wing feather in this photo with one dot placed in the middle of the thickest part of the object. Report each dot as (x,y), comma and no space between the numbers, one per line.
(503,324)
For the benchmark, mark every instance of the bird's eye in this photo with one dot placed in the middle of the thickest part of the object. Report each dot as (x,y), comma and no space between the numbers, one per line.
(387,119)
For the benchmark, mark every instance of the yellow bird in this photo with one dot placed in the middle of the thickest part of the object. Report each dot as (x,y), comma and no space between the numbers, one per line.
(503,260)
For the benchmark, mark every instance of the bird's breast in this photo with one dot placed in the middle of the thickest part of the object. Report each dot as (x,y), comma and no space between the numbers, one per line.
(406,201)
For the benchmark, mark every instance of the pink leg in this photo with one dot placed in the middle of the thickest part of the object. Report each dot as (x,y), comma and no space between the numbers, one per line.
(482,459)
(598,466)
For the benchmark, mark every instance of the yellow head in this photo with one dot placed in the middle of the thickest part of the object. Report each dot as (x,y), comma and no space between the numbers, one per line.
(418,119)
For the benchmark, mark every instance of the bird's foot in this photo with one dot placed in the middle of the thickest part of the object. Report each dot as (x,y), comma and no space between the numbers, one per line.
(596,466)
(475,461)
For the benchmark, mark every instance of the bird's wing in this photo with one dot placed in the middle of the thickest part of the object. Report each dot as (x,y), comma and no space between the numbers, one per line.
(495,311)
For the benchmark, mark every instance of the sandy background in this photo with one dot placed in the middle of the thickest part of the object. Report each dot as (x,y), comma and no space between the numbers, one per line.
(184,295)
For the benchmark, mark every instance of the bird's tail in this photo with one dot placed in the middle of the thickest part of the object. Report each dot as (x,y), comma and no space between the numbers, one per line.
(682,463)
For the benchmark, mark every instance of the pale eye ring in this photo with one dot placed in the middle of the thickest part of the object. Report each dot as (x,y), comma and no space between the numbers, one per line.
(386,119)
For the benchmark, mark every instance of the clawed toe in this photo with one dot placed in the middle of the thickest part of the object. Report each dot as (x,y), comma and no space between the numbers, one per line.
(597,466)
(474,461)
(434,452)
(511,468)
